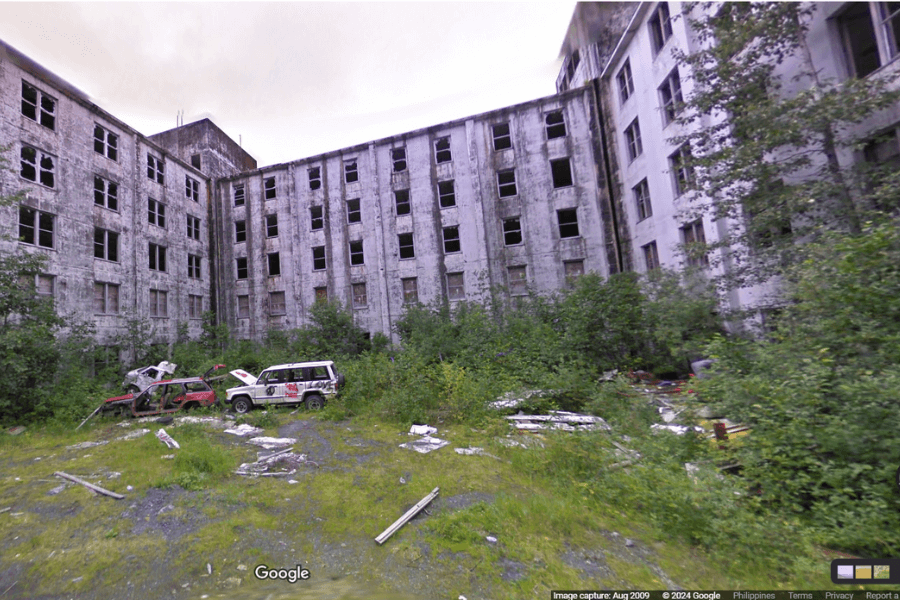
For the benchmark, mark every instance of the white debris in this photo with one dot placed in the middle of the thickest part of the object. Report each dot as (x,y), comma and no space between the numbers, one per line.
(558,419)
(422,430)
(166,439)
(676,429)
(244,429)
(425,444)
(214,421)
(84,445)
(491,539)
(470,451)
(270,443)
(509,399)
(134,434)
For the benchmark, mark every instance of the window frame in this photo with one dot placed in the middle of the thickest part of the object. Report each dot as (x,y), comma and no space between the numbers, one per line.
(354,210)
(314,177)
(37,227)
(502,141)
(270,188)
(670,97)
(106,308)
(557,177)
(682,171)
(240,231)
(509,231)
(108,144)
(313,220)
(410,292)
(243,306)
(272,224)
(108,190)
(398,164)
(442,151)
(110,241)
(41,114)
(156,169)
(240,194)
(41,172)
(690,238)
(156,254)
(626,82)
(517,286)
(642,201)
(351,170)
(508,188)
(633,140)
(557,129)
(444,196)
(194,263)
(273,264)
(195,306)
(651,256)
(320,263)
(660,24)
(159,299)
(241,265)
(191,189)
(357,256)
(569,223)
(156,212)
(359,300)
(406,204)
(193,227)
(451,242)
(275,307)
(456,291)
(410,246)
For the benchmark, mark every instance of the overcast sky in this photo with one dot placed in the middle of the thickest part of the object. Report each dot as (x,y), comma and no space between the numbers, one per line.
(295,79)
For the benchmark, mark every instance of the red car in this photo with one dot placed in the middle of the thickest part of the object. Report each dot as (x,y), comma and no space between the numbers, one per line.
(165,397)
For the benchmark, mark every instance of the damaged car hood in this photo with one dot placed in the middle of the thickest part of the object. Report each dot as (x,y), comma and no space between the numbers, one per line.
(245,377)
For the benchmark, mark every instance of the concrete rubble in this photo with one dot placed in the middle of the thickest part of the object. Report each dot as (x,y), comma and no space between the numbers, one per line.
(558,419)
(244,430)
(270,443)
(425,443)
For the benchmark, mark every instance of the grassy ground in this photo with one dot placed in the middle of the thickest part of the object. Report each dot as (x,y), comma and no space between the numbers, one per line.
(189,527)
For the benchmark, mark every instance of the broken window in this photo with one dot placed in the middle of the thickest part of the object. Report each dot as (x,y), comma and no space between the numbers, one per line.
(626,82)
(191,189)
(318,258)
(239,198)
(556,125)
(193,266)
(38,106)
(359,295)
(442,150)
(660,27)
(106,245)
(276,303)
(682,172)
(193,227)
(195,161)
(446,194)
(562,172)
(354,215)
(241,267)
(195,306)
(455,287)
(401,198)
(315,178)
(633,140)
(512,231)
(106,193)
(517,279)
(156,213)
(351,174)
(670,96)
(651,256)
(159,305)
(106,298)
(573,269)
(695,244)
(274,263)
(859,38)
(38,166)
(502,139)
(243,307)
(35,227)
(451,240)
(240,231)
(398,156)
(269,185)
(317,219)
(407,249)
(410,290)
(106,143)
(157,257)
(271,226)
(506,181)
(642,200)
(568,223)
(321,293)
(356,253)
(155,169)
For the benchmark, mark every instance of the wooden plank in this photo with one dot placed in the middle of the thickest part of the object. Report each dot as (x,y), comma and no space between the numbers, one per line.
(406,517)
(89,486)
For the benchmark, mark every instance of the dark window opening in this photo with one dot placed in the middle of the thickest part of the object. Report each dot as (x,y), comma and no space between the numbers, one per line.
(660,27)
(317,220)
(401,198)
(315,178)
(670,96)
(502,139)
(274,261)
(359,296)
(271,226)
(157,258)
(556,125)
(351,174)
(354,214)
(106,193)
(356,253)
(633,140)
(398,156)
(239,195)
(651,256)
(193,227)
(562,172)
(451,240)
(506,180)
(568,223)
(240,231)
(269,185)
(156,213)
(106,143)
(642,200)
(626,82)
(195,161)
(446,195)
(442,150)
(242,271)
(512,231)
(859,39)
(318,258)
(155,169)
(695,244)
(407,249)
(35,101)
(106,245)
(193,266)
(191,189)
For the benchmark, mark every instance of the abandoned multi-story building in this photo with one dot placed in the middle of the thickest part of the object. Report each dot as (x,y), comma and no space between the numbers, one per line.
(526,197)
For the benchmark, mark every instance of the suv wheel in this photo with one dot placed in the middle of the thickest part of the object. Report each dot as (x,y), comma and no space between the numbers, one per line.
(314,402)
(133,389)
(241,404)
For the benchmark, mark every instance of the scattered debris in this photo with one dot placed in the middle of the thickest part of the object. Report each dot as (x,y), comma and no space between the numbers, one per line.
(56,490)
(168,456)
(557,419)
(426,443)
(244,429)
(134,434)
(677,429)
(84,445)
(609,375)
(90,486)
(285,458)
(526,442)
(88,418)
(270,443)
(214,421)
(491,539)
(166,439)
(387,533)
(510,400)
(422,430)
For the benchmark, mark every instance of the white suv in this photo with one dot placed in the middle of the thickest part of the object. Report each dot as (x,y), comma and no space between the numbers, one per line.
(309,382)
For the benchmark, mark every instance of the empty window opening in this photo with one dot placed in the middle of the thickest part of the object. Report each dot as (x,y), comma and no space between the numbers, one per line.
(442,150)
(356,253)
(401,198)
(239,197)
(651,256)
(633,140)
(191,189)
(506,181)
(277,304)
(556,125)
(359,295)
(38,106)
(156,169)
(106,143)
(456,289)
(625,81)
(502,139)
(106,193)
(274,263)
(446,194)
(321,293)
(568,223)
(157,257)
(106,245)
(195,161)
(660,27)
(156,213)
(398,156)
(194,266)
(354,214)
(35,227)
(407,249)
(269,185)
(410,290)
(271,226)
(159,303)
(38,166)
(241,264)
(860,41)
(315,178)
(240,231)
(512,231)
(451,240)
(318,253)
(106,298)
(317,219)
(642,200)
(351,174)
(193,227)
(561,170)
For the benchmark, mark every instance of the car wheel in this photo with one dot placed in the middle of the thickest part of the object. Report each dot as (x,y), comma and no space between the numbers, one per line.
(340,380)
(314,402)
(241,405)
(133,389)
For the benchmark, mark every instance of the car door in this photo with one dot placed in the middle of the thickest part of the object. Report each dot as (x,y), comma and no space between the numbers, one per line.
(174,398)
(293,387)
(271,387)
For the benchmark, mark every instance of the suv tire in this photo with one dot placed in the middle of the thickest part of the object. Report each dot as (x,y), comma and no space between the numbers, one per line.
(241,404)
(314,402)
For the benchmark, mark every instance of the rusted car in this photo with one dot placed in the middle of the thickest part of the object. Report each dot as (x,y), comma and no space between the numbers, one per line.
(167,396)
